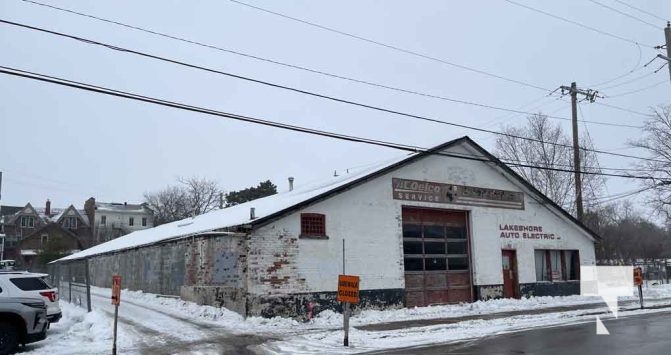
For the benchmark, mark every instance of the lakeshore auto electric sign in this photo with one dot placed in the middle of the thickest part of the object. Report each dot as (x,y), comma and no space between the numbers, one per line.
(518,231)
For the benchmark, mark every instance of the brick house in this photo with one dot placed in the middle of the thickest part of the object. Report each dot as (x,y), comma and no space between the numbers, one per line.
(29,230)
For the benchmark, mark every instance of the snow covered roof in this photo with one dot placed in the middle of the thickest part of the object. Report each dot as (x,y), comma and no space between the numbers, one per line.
(228,217)
(276,205)
(121,207)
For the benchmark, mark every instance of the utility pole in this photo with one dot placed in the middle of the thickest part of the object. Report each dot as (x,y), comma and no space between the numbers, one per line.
(576,151)
(667,36)
(589,95)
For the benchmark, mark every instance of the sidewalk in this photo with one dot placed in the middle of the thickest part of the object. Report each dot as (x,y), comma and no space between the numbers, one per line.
(623,306)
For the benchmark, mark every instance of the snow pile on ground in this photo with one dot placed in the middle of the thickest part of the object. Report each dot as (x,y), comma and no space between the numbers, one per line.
(331,342)
(329,319)
(461,310)
(219,316)
(654,291)
(79,332)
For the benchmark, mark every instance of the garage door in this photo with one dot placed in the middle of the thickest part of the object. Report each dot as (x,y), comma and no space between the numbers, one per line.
(436,256)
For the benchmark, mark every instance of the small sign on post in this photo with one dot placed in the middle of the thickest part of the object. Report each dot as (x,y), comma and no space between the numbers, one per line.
(116,290)
(348,292)
(638,281)
(116,300)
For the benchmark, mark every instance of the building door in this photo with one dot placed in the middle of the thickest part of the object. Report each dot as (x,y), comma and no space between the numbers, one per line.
(510,285)
(436,256)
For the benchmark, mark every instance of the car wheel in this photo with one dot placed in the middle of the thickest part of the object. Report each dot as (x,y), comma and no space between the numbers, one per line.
(9,338)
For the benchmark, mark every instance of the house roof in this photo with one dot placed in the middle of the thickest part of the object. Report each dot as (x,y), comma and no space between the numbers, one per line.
(276,206)
(9,210)
(80,214)
(122,207)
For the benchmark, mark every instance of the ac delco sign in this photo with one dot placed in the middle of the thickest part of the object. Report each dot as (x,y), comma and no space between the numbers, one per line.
(427,191)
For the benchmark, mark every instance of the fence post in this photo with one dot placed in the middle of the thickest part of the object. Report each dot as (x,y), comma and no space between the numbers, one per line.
(70,282)
(88,284)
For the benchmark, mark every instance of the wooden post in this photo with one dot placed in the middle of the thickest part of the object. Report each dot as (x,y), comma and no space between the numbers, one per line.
(640,295)
(70,282)
(345,311)
(116,300)
(116,316)
(576,153)
(88,285)
(346,323)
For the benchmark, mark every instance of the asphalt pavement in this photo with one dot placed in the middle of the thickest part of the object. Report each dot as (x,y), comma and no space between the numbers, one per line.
(640,334)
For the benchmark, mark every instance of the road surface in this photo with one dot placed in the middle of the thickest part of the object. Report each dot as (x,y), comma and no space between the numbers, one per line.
(642,334)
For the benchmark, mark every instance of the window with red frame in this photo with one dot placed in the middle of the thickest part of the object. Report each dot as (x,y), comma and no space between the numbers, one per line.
(313,225)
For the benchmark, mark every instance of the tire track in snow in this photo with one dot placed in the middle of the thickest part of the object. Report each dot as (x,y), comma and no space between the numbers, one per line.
(211,334)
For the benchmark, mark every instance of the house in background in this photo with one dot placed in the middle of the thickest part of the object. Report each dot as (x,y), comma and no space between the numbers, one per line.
(8,242)
(111,220)
(52,232)
(29,231)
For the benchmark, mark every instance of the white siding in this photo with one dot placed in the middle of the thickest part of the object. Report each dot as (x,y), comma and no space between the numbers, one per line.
(370,221)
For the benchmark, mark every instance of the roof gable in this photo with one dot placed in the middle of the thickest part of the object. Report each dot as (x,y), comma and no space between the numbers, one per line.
(71,211)
(27,210)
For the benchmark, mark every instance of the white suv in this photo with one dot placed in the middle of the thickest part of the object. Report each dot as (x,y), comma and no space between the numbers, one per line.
(31,285)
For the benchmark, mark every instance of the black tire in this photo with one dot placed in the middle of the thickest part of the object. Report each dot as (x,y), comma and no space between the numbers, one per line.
(9,338)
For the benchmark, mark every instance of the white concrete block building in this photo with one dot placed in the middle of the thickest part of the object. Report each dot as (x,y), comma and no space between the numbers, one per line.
(453,224)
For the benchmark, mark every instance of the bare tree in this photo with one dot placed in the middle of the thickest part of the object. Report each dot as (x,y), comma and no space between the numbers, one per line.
(657,142)
(191,197)
(627,235)
(551,149)
(203,195)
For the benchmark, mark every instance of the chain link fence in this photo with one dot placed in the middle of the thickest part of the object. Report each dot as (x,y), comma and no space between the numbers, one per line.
(73,282)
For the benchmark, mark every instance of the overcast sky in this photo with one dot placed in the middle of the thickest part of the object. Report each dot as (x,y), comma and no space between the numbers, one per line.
(68,145)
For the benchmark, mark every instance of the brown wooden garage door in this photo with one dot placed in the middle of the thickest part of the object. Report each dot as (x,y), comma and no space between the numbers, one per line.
(436,256)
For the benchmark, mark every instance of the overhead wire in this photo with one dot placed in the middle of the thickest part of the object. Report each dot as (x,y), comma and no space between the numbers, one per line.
(627,82)
(623,109)
(615,197)
(392,47)
(665,81)
(640,10)
(593,29)
(284,87)
(636,68)
(173,104)
(304,68)
(453,100)
(624,14)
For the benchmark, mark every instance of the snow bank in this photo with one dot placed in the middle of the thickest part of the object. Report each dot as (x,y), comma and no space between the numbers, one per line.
(329,319)
(79,332)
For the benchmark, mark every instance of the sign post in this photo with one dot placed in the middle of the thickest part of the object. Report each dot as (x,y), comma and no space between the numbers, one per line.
(348,292)
(116,299)
(638,281)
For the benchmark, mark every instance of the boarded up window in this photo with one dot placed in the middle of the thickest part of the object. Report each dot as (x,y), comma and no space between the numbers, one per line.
(313,225)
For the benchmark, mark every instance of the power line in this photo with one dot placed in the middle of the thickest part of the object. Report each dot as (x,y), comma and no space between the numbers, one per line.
(639,90)
(628,81)
(623,109)
(641,10)
(392,47)
(249,119)
(281,63)
(125,50)
(579,24)
(624,14)
(636,68)
(376,108)
(453,100)
(615,197)
(230,51)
